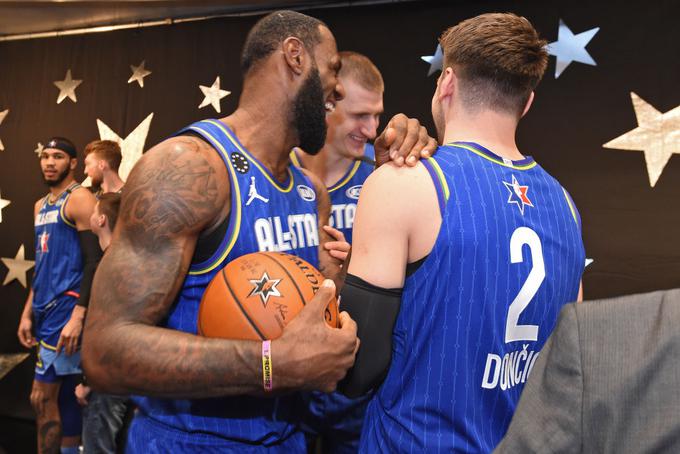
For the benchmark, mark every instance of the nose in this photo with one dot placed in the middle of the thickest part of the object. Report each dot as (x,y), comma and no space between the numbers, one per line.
(369,127)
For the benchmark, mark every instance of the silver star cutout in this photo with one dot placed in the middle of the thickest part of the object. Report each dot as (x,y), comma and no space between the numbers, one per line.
(589,261)
(570,47)
(657,135)
(67,87)
(18,267)
(3,204)
(3,114)
(39,149)
(435,60)
(10,361)
(213,94)
(131,147)
(139,73)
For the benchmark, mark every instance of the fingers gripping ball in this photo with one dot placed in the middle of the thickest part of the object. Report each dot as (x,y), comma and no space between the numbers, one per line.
(257,294)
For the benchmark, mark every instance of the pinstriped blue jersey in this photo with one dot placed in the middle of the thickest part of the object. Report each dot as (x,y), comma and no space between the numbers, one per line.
(477,312)
(58,267)
(345,192)
(266,215)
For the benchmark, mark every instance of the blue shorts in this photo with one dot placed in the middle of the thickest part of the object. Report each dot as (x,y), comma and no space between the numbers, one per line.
(51,366)
(148,436)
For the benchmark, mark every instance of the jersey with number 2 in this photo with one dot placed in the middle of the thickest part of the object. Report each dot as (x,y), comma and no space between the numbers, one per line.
(477,312)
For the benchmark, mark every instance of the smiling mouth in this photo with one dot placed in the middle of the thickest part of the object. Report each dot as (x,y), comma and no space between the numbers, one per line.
(357,138)
(330,107)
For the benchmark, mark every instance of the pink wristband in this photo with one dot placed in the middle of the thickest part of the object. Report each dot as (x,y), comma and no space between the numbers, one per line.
(267,365)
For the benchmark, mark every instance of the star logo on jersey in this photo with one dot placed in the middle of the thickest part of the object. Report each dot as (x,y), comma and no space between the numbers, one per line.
(264,288)
(44,237)
(518,194)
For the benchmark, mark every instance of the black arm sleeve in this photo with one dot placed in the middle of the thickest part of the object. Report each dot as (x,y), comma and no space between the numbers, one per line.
(375,310)
(91,254)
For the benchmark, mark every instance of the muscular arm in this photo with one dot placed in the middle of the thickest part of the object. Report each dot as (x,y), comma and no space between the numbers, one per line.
(175,190)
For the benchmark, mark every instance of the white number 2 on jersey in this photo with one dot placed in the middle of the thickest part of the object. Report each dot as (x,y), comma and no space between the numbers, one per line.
(520,237)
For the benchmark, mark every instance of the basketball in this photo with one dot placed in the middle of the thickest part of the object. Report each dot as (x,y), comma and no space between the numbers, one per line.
(257,294)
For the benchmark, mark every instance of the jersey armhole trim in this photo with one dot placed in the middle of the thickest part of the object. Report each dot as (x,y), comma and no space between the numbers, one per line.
(440,184)
(233,230)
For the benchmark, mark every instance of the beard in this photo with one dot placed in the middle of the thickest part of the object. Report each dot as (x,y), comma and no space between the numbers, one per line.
(60,177)
(309,114)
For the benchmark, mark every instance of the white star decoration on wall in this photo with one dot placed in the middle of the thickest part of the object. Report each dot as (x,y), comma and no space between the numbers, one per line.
(213,94)
(18,266)
(435,60)
(3,114)
(570,47)
(67,88)
(657,135)
(3,204)
(138,74)
(131,147)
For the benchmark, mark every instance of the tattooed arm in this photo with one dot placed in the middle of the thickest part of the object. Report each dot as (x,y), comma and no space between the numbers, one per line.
(176,190)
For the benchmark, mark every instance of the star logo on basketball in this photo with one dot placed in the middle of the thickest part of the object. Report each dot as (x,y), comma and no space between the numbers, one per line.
(518,194)
(264,288)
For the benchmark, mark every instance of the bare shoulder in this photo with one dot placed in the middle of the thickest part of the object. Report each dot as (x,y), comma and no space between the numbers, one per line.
(37,206)
(404,183)
(82,194)
(177,188)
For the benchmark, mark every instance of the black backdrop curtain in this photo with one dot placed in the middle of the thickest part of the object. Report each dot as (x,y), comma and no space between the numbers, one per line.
(630,228)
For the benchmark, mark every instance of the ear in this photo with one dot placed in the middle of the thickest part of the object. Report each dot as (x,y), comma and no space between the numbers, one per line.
(102,220)
(447,83)
(73,164)
(528,104)
(294,54)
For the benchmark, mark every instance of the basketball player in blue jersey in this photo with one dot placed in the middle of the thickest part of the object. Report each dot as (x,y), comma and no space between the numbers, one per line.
(463,262)
(66,256)
(347,157)
(343,164)
(220,189)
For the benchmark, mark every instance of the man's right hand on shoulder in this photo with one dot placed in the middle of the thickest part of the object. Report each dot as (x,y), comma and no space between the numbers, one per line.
(310,354)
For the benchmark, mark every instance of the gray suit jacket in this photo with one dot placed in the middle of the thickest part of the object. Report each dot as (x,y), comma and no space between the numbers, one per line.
(607,381)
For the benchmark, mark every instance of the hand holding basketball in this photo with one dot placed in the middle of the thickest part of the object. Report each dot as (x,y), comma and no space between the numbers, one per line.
(310,354)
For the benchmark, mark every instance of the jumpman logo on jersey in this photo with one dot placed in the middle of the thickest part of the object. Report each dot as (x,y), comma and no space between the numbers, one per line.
(518,194)
(264,288)
(44,237)
(252,193)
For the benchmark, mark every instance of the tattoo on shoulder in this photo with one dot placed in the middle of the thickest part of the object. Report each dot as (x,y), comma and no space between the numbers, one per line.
(172,193)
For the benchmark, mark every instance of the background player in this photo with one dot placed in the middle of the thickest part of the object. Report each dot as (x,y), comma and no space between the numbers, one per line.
(479,246)
(66,254)
(102,160)
(185,214)
(347,157)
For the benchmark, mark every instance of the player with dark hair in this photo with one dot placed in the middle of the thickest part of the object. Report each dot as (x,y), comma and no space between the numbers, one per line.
(219,190)
(66,256)
(461,264)
(102,160)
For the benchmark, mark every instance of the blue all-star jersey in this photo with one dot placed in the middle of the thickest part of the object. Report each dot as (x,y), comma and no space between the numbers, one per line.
(477,312)
(266,215)
(344,193)
(58,268)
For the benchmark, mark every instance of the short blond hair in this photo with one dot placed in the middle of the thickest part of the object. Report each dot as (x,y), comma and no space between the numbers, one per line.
(361,69)
(108,150)
(499,58)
